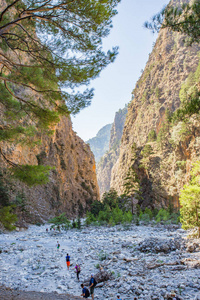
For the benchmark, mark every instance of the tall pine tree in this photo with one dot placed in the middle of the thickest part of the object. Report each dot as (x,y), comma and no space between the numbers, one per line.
(48,49)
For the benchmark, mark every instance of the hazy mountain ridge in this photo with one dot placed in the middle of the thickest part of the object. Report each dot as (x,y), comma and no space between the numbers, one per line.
(104,167)
(100,143)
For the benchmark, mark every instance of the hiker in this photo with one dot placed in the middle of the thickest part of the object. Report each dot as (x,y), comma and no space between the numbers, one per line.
(78,270)
(92,285)
(85,291)
(68,261)
(118,297)
(46,229)
(58,245)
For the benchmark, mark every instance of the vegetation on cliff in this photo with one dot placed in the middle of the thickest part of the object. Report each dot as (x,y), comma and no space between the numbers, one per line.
(183,18)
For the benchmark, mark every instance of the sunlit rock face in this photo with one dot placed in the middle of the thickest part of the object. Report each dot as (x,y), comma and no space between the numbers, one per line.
(166,168)
(104,167)
(72,184)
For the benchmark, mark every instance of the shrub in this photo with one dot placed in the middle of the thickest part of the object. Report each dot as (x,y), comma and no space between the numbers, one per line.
(147,151)
(190,201)
(152,136)
(8,219)
(60,220)
(90,218)
(102,255)
(4,199)
(163,215)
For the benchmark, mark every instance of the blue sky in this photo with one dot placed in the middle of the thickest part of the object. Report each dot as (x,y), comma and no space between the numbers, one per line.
(114,86)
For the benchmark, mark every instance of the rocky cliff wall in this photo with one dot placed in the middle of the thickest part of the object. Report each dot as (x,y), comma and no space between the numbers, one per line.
(165,167)
(104,167)
(72,186)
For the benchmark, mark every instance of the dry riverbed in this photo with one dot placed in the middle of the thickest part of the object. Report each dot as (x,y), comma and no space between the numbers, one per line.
(146,262)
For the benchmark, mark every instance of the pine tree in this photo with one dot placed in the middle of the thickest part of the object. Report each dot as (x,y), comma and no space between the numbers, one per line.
(48,50)
(132,187)
(184,18)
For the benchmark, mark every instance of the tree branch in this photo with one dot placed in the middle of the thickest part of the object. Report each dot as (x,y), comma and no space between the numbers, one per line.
(7,8)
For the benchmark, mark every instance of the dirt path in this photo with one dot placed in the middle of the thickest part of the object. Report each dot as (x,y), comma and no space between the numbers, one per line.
(9,294)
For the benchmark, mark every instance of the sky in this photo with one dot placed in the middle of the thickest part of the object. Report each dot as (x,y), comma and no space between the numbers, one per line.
(114,85)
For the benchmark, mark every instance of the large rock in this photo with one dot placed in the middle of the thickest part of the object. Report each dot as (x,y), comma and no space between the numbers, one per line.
(159,245)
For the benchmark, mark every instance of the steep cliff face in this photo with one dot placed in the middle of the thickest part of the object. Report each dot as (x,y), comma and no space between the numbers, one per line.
(104,168)
(100,143)
(72,186)
(160,153)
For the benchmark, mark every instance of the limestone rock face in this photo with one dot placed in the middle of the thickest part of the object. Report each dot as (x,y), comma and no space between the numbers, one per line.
(164,170)
(104,167)
(100,143)
(72,186)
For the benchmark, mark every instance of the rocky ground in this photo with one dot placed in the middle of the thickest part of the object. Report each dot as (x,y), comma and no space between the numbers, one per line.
(146,262)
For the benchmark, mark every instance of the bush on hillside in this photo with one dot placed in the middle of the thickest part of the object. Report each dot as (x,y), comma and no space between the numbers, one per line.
(7,218)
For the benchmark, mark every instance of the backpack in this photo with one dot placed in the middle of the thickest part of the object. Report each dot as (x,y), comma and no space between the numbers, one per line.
(87,293)
(78,268)
(95,282)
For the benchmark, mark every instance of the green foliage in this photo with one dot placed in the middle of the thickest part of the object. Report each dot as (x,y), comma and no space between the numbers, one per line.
(146,216)
(41,157)
(152,136)
(131,189)
(7,218)
(190,201)
(74,224)
(32,175)
(190,98)
(79,223)
(147,151)
(4,198)
(96,207)
(162,136)
(60,220)
(183,19)
(110,198)
(108,212)
(157,92)
(179,133)
(20,201)
(90,218)
(163,215)
(102,255)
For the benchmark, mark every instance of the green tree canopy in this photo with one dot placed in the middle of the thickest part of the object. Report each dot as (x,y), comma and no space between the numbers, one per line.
(48,50)
(190,201)
(184,18)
